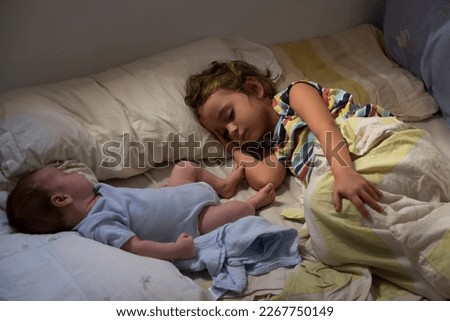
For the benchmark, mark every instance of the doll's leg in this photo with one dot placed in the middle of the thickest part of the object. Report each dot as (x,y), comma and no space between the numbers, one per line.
(188,172)
(218,215)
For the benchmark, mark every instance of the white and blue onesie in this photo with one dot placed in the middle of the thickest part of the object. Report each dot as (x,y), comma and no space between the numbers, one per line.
(157,214)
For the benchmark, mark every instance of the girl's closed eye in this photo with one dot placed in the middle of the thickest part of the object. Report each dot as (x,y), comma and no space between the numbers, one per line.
(230,114)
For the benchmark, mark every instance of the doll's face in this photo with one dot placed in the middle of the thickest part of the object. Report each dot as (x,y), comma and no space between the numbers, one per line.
(56,180)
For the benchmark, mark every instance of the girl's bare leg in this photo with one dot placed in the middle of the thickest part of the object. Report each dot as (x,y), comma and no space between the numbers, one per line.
(218,215)
(188,172)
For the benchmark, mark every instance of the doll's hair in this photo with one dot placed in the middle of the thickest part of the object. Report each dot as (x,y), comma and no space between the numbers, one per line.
(230,75)
(30,210)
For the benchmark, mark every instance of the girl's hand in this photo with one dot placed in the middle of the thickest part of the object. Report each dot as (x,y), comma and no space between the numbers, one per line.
(258,172)
(185,246)
(358,190)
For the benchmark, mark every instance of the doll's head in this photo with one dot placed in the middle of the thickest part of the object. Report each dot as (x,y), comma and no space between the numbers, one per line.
(38,203)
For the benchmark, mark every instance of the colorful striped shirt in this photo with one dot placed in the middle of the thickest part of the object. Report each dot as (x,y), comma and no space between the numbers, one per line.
(292,139)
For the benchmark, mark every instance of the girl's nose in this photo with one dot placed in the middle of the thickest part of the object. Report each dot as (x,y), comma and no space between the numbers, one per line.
(232,130)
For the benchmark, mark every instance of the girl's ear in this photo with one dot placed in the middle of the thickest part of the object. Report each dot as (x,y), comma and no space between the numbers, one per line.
(61,199)
(253,86)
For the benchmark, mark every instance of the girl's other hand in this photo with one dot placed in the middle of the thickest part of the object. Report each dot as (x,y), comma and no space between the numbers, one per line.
(358,190)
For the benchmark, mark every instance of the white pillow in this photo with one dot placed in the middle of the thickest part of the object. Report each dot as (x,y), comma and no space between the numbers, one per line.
(124,117)
(62,121)
(66,266)
(355,60)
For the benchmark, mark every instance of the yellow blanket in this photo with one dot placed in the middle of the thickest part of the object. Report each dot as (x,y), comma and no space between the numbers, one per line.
(402,253)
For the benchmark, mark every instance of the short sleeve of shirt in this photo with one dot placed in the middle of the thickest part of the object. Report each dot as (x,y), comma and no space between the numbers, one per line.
(111,232)
(107,227)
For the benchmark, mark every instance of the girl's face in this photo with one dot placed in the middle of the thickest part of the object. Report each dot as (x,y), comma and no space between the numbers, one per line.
(237,116)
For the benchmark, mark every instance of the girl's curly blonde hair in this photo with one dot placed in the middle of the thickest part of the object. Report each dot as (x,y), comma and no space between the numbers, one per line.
(229,75)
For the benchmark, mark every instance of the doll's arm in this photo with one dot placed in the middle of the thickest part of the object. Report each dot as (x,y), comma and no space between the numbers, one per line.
(182,248)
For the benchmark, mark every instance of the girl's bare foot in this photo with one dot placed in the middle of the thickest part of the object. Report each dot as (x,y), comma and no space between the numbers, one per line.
(265,196)
(231,182)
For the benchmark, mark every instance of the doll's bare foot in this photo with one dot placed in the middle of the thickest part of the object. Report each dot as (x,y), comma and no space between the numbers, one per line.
(265,196)
(231,182)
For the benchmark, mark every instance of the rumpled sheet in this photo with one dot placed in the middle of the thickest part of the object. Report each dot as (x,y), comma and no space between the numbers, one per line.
(252,245)
(400,254)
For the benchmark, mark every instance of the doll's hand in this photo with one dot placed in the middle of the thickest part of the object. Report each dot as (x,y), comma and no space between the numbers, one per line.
(185,246)
(358,190)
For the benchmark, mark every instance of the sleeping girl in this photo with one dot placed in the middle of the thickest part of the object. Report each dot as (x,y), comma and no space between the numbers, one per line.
(371,181)
(239,104)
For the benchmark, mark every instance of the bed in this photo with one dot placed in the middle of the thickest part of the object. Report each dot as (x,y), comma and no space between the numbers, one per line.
(128,125)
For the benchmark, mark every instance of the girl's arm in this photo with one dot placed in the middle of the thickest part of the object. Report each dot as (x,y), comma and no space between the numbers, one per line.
(308,104)
(182,248)
(258,173)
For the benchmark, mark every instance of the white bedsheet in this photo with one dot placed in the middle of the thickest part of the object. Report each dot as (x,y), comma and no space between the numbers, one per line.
(437,128)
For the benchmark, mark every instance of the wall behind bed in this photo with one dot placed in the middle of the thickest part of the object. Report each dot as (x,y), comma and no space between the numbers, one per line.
(50,40)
